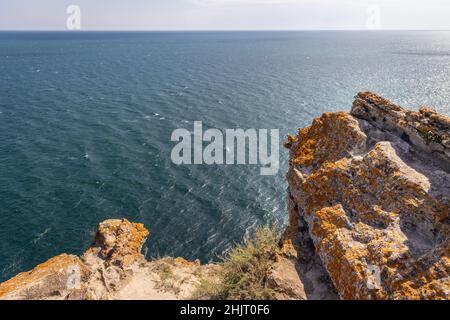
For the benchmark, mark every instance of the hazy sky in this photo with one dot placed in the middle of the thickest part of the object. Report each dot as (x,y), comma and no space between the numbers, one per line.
(226,14)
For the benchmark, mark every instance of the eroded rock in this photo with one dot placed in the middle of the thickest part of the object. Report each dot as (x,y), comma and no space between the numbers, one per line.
(119,242)
(60,277)
(369,219)
(374,194)
(112,268)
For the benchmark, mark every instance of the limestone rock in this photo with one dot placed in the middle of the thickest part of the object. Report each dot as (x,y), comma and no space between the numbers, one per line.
(298,248)
(285,280)
(119,242)
(368,203)
(372,187)
(60,277)
(112,268)
(426,130)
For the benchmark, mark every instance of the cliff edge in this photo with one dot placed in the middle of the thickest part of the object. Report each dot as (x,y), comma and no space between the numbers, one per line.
(369,219)
(112,268)
(371,186)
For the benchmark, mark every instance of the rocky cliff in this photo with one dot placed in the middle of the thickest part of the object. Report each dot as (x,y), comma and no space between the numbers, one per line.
(369,219)
(112,268)
(371,187)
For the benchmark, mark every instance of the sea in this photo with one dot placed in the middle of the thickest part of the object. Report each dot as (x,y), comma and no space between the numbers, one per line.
(86,120)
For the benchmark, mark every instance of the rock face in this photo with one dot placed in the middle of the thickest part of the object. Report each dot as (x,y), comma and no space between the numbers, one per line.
(369,219)
(372,187)
(119,242)
(58,277)
(112,268)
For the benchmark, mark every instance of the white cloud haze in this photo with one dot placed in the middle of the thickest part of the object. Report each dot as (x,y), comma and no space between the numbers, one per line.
(224,14)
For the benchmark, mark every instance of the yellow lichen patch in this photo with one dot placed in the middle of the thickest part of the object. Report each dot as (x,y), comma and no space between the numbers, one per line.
(46,275)
(288,249)
(368,209)
(318,144)
(120,241)
(332,218)
(183,262)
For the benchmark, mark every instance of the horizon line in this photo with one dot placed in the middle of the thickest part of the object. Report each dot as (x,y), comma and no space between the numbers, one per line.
(213,30)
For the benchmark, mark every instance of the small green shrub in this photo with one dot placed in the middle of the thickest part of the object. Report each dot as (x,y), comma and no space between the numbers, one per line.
(207,290)
(245,270)
(164,269)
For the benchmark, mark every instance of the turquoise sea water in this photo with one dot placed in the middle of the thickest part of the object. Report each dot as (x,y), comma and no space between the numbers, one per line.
(86,120)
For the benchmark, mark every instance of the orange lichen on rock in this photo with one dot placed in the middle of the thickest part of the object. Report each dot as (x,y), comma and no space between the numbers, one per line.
(116,248)
(183,262)
(59,276)
(426,130)
(120,241)
(375,202)
(317,144)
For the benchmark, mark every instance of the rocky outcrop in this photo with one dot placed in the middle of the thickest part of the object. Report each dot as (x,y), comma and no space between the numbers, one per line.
(368,200)
(112,268)
(58,277)
(426,130)
(118,242)
(372,187)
